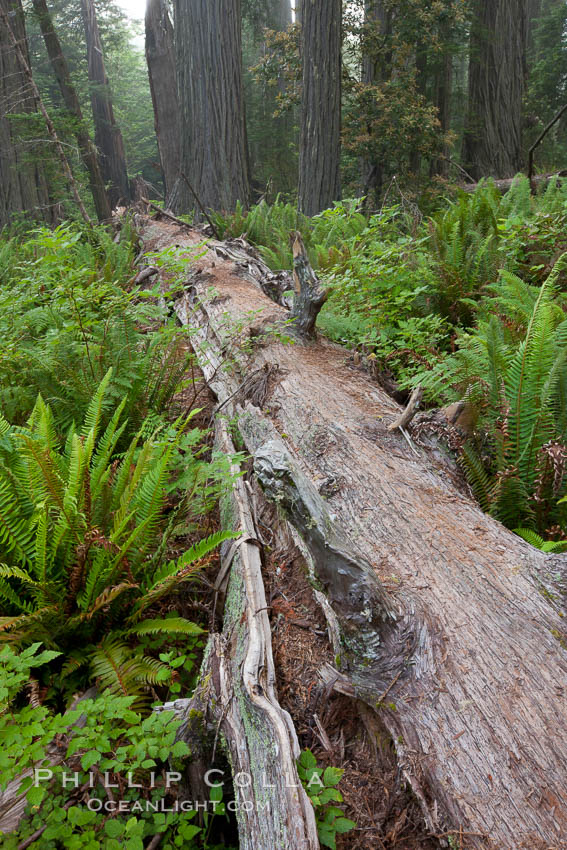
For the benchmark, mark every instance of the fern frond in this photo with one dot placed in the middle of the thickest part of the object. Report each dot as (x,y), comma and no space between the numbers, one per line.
(477,476)
(104,600)
(530,536)
(122,671)
(173,625)
(95,410)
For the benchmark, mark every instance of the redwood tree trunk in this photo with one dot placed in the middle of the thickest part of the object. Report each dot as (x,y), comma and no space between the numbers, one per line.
(320,144)
(160,56)
(492,144)
(108,137)
(61,70)
(377,19)
(23,184)
(279,15)
(214,156)
(443,91)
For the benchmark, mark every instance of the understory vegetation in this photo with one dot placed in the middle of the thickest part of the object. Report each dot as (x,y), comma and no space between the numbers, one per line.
(107,488)
(470,302)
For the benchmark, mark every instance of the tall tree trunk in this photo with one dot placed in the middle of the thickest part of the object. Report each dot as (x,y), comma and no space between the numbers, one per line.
(443,92)
(108,137)
(23,185)
(320,141)
(534,11)
(160,56)
(16,40)
(421,69)
(214,156)
(492,143)
(61,70)
(279,16)
(376,16)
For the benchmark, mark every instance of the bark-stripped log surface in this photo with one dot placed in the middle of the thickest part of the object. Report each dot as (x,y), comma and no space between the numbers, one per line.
(451,624)
(238,701)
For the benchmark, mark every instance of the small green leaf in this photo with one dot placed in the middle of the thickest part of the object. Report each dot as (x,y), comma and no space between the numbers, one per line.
(36,795)
(215,794)
(307,759)
(342,825)
(113,828)
(332,775)
(326,836)
(180,749)
(89,759)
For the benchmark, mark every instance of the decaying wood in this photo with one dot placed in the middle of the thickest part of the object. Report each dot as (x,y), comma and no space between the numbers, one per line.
(238,699)
(309,294)
(144,274)
(452,616)
(404,419)
(506,184)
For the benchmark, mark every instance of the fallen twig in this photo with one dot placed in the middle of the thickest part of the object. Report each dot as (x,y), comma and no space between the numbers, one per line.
(201,207)
(165,213)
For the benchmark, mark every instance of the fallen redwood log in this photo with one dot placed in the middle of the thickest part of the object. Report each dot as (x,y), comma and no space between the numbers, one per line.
(237,700)
(451,626)
(505,184)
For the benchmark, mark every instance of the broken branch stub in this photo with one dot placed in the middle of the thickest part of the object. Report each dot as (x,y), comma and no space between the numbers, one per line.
(309,294)
(404,419)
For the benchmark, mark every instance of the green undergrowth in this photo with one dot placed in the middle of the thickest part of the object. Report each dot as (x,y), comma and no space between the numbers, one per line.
(471,303)
(107,491)
(68,312)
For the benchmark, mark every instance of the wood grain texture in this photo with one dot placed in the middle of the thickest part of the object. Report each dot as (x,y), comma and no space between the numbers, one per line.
(477,708)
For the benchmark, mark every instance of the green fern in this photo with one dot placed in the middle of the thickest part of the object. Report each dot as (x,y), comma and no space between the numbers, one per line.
(516,377)
(84,541)
(534,539)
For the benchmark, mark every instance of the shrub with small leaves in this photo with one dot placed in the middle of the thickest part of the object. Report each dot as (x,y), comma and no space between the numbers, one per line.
(320,785)
(80,756)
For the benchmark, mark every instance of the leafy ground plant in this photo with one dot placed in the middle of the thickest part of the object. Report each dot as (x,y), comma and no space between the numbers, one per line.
(77,757)
(512,368)
(320,785)
(68,312)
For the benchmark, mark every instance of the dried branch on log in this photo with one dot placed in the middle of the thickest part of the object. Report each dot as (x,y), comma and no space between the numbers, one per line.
(412,407)
(144,274)
(438,605)
(506,184)
(165,213)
